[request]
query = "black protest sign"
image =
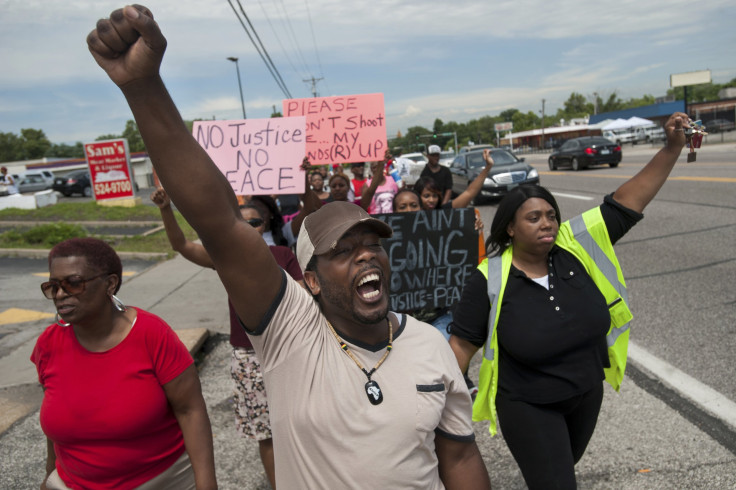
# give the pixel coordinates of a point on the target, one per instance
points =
(431, 254)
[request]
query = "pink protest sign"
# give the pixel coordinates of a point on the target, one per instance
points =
(350, 128)
(258, 156)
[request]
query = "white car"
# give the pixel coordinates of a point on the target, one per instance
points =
(648, 134)
(620, 136)
(35, 181)
(446, 158)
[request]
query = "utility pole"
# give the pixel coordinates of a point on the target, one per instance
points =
(543, 101)
(314, 84)
(595, 103)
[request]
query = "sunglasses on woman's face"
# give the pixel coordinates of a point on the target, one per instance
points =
(72, 285)
(254, 222)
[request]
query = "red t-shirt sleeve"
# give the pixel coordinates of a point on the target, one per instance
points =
(40, 355)
(169, 355)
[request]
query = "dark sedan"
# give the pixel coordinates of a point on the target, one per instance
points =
(508, 172)
(77, 182)
(580, 153)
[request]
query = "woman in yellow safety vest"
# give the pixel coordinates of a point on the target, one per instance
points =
(550, 309)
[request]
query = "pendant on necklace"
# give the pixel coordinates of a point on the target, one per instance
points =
(375, 396)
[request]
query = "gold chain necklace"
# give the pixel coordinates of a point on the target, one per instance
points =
(372, 390)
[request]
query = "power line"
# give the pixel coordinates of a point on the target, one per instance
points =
(316, 52)
(286, 90)
(262, 50)
(278, 39)
(295, 43)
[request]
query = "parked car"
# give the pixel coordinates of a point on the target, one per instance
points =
(719, 125)
(417, 157)
(36, 181)
(475, 147)
(580, 153)
(77, 182)
(508, 172)
(647, 134)
(620, 136)
(446, 158)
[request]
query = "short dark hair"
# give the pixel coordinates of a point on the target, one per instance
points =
(401, 191)
(254, 208)
(339, 176)
(499, 239)
(272, 216)
(99, 255)
(429, 184)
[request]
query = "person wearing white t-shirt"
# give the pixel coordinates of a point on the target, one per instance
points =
(8, 181)
(360, 397)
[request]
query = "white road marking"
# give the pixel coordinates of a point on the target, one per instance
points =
(573, 196)
(702, 395)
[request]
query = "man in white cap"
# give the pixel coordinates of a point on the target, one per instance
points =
(360, 397)
(441, 175)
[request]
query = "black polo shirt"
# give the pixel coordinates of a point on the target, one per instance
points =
(443, 177)
(552, 342)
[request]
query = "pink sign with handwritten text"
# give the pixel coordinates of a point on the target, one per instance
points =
(258, 156)
(350, 128)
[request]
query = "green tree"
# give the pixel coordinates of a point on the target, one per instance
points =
(577, 106)
(700, 93)
(131, 133)
(103, 137)
(66, 151)
(524, 122)
(10, 147)
(34, 143)
(507, 115)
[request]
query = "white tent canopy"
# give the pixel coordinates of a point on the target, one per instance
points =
(632, 122)
(617, 124)
(639, 121)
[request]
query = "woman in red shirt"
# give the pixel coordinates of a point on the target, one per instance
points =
(122, 404)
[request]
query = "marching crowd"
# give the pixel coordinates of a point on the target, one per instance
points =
(338, 390)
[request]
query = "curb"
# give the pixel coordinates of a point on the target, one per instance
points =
(41, 253)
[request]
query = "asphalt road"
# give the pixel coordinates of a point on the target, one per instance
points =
(679, 264)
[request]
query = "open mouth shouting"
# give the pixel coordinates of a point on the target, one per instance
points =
(369, 287)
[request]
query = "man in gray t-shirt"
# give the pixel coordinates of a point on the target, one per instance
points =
(359, 397)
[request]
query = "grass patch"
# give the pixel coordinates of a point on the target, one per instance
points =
(47, 235)
(83, 211)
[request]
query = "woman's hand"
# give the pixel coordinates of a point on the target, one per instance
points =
(489, 160)
(675, 128)
(160, 198)
(377, 168)
(478, 223)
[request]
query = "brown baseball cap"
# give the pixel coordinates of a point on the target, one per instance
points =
(322, 229)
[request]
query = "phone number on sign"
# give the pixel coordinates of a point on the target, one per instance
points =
(112, 187)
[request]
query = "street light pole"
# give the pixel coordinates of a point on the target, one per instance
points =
(240, 85)
(543, 101)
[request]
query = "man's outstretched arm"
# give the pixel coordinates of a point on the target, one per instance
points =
(129, 46)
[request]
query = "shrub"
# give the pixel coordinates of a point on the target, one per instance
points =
(51, 234)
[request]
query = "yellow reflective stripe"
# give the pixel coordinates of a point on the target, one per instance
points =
(494, 288)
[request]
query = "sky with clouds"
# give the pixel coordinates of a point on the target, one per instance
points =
(455, 61)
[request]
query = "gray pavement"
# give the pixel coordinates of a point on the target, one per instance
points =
(648, 436)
